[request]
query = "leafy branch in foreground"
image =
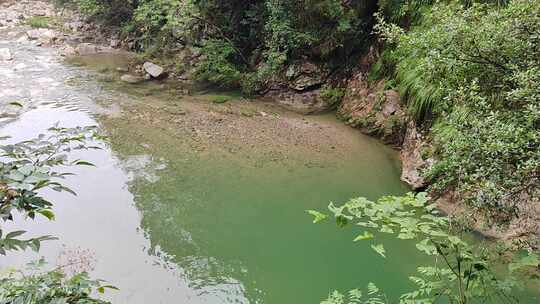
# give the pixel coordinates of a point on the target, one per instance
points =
(33, 165)
(460, 273)
(35, 287)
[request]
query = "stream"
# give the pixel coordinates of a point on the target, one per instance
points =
(197, 202)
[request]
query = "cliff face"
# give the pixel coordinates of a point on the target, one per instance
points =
(379, 112)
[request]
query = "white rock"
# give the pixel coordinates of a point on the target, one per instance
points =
(5, 54)
(153, 69)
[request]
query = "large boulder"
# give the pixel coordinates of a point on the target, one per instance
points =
(153, 70)
(308, 102)
(305, 75)
(5, 54)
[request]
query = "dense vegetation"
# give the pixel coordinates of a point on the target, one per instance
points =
(244, 43)
(470, 74)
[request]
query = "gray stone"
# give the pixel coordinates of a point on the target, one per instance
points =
(153, 69)
(5, 54)
(23, 38)
(131, 78)
(86, 49)
(33, 34)
(305, 75)
(74, 26)
(308, 102)
(68, 50)
(42, 34)
(114, 43)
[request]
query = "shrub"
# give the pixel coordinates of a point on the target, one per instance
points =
(216, 66)
(332, 95)
(473, 71)
(39, 21)
(458, 272)
(35, 286)
(260, 37)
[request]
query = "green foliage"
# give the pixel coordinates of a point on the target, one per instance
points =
(315, 28)
(217, 66)
(155, 22)
(113, 12)
(403, 11)
(473, 70)
(27, 168)
(317, 216)
(38, 287)
(220, 99)
(372, 295)
(332, 95)
(90, 7)
(249, 42)
(30, 166)
(39, 21)
(459, 272)
(490, 155)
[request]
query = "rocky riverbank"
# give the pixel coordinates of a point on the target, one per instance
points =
(160, 106)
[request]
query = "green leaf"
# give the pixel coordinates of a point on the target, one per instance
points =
(386, 229)
(61, 188)
(318, 216)
(365, 236)
(110, 287)
(426, 247)
(47, 213)
(15, 103)
(27, 169)
(84, 163)
(14, 234)
(379, 248)
(16, 176)
(406, 235)
(341, 221)
(372, 288)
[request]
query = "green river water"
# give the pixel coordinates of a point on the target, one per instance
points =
(169, 217)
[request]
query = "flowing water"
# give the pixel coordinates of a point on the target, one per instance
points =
(196, 202)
